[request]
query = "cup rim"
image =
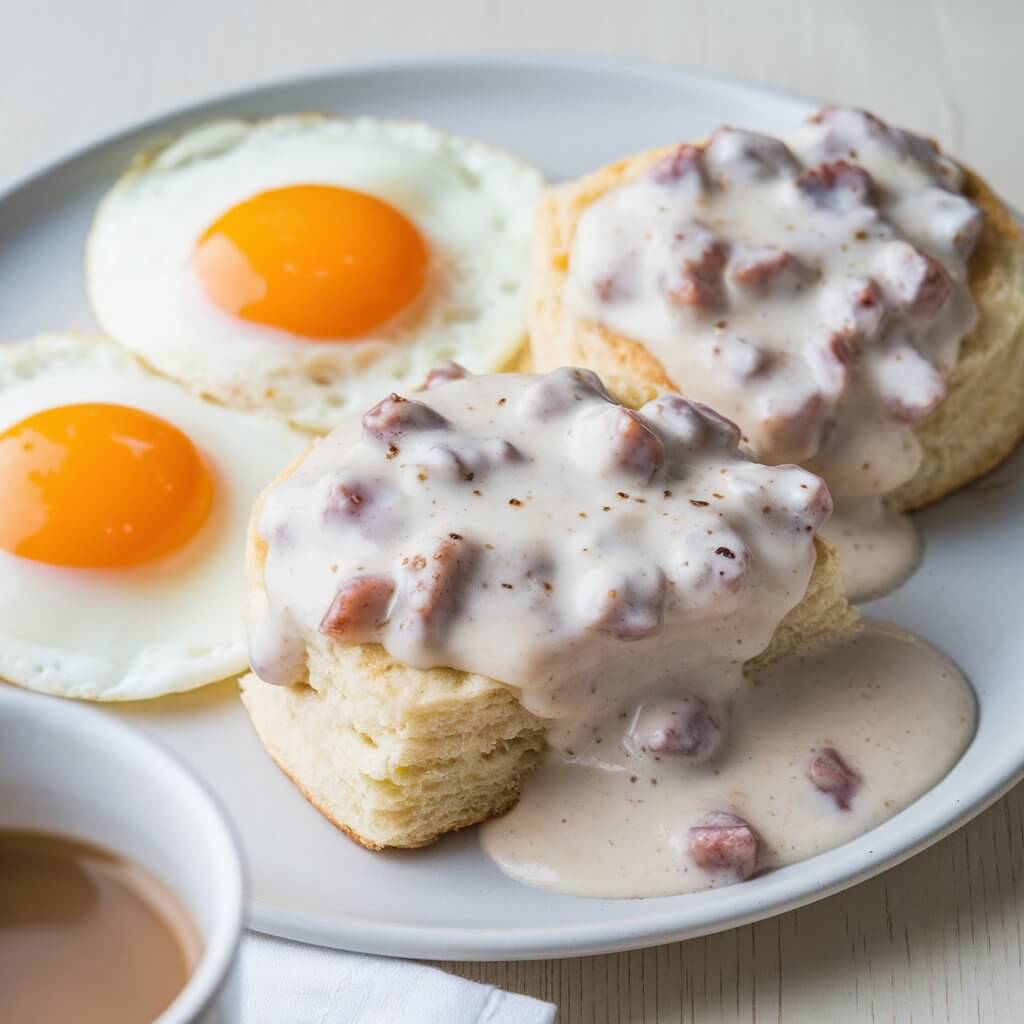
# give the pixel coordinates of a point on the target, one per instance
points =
(221, 945)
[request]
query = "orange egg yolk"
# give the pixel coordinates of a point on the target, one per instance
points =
(99, 486)
(317, 261)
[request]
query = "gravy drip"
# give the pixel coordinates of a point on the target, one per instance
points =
(878, 547)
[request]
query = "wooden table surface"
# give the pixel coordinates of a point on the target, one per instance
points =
(938, 939)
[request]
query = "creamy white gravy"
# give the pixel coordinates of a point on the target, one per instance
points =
(814, 291)
(534, 530)
(878, 547)
(605, 822)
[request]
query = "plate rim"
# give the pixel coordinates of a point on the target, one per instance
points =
(426, 62)
(441, 944)
(778, 892)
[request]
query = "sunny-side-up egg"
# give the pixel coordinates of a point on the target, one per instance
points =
(124, 501)
(309, 265)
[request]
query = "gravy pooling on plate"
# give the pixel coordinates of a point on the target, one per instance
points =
(813, 290)
(821, 748)
(618, 568)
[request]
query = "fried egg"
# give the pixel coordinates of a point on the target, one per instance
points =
(309, 265)
(122, 522)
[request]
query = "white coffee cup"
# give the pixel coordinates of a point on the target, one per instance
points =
(72, 770)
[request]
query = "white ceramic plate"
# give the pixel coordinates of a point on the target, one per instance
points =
(309, 882)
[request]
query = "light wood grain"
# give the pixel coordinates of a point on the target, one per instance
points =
(938, 939)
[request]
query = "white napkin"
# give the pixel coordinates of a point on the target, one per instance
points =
(288, 983)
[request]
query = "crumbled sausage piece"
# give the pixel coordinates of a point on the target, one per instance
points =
(366, 504)
(689, 287)
(718, 426)
(814, 504)
(793, 433)
(765, 269)
(348, 500)
(431, 582)
(838, 185)
(828, 357)
(467, 460)
(916, 282)
(843, 131)
(635, 448)
(394, 417)
(740, 359)
(908, 385)
(685, 163)
(955, 221)
(627, 605)
(827, 115)
(444, 374)
(724, 843)
(710, 567)
(686, 726)
(560, 392)
(829, 773)
(690, 423)
(736, 156)
(615, 286)
(697, 279)
(730, 561)
(676, 418)
(855, 308)
(612, 441)
(359, 607)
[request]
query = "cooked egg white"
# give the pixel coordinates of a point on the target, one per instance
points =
(309, 265)
(122, 522)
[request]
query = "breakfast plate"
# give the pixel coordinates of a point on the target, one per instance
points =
(449, 901)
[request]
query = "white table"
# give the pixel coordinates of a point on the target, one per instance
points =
(938, 939)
